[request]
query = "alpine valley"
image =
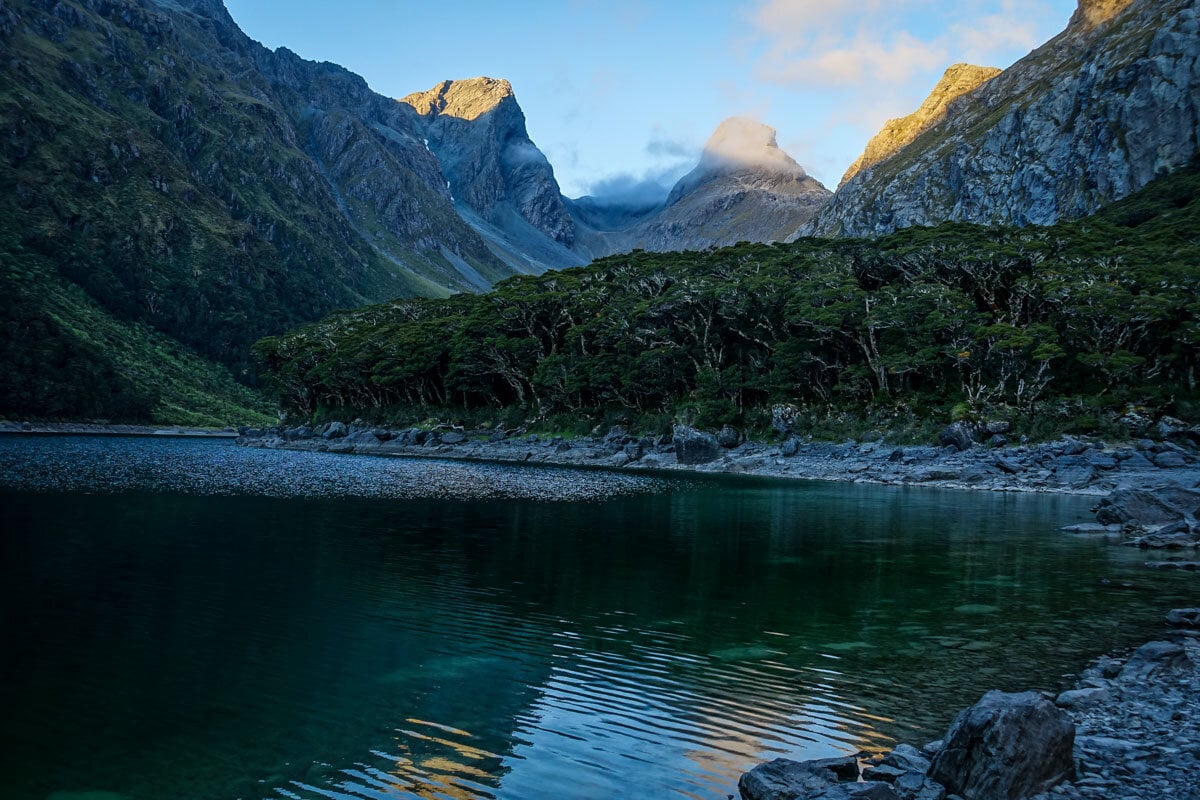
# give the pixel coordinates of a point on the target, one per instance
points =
(173, 191)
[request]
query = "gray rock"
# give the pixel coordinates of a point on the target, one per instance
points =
(562, 447)
(1184, 617)
(1006, 747)
(907, 758)
(635, 451)
(1170, 426)
(382, 434)
(1169, 460)
(1081, 698)
(1152, 658)
(1009, 465)
(498, 435)
(858, 791)
(917, 786)
(997, 427)
(335, 430)
(790, 447)
(882, 772)
(729, 437)
(1156, 506)
(1074, 447)
(616, 438)
(695, 447)
(1137, 461)
(896, 456)
(785, 779)
(959, 435)
(1077, 477)
(998, 441)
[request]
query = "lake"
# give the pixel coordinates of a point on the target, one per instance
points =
(191, 619)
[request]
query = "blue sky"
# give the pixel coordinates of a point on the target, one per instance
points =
(619, 92)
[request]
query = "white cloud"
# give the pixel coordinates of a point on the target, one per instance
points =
(844, 44)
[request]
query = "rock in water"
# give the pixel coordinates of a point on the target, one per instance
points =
(1006, 747)
(1148, 507)
(785, 779)
(695, 447)
(1184, 617)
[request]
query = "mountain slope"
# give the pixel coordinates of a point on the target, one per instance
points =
(958, 80)
(189, 180)
(500, 181)
(1088, 118)
(745, 188)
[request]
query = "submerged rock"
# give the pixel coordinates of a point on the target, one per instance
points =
(1184, 617)
(1006, 747)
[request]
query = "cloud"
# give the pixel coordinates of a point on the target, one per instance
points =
(872, 44)
(661, 147)
(638, 189)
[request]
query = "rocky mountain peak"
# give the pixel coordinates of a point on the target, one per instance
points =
(957, 81)
(1092, 13)
(465, 99)
(743, 144)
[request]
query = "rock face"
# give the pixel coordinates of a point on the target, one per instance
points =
(495, 172)
(1088, 118)
(745, 188)
(1006, 747)
(897, 133)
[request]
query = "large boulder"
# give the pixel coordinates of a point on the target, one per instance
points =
(335, 430)
(729, 437)
(785, 779)
(959, 435)
(1148, 507)
(1006, 747)
(695, 447)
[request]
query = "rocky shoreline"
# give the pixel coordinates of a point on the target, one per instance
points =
(1129, 730)
(1148, 487)
(1069, 465)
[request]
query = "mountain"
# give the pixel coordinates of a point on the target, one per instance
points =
(1088, 118)
(162, 171)
(500, 181)
(745, 188)
(899, 133)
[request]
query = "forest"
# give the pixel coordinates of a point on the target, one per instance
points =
(1069, 324)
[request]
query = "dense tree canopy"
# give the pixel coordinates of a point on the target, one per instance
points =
(1105, 309)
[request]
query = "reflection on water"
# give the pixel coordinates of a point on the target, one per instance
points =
(190, 624)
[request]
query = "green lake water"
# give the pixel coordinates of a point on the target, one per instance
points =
(189, 619)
